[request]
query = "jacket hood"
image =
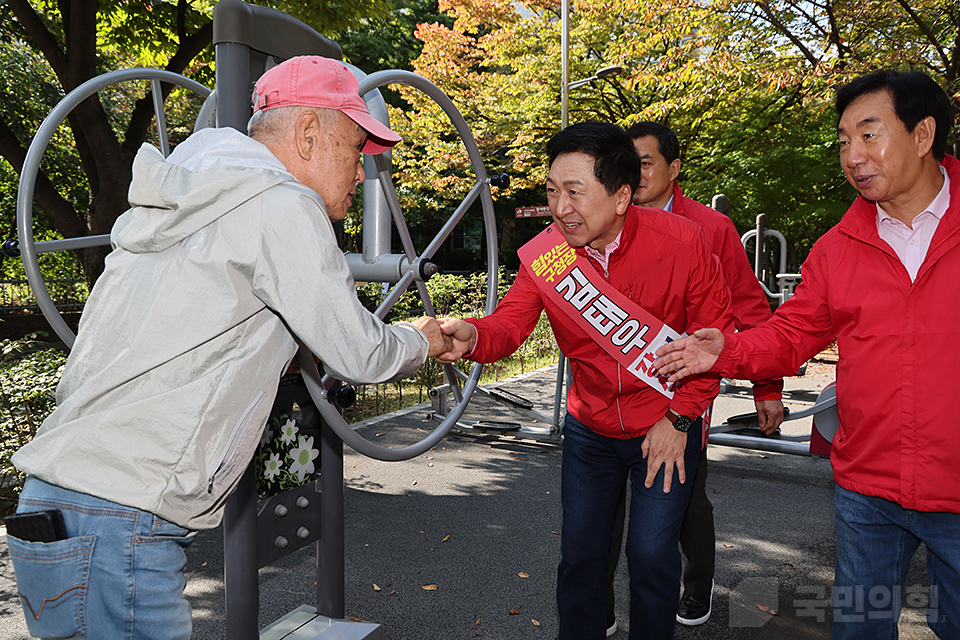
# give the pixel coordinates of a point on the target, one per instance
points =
(173, 198)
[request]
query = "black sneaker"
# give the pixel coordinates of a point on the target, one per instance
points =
(693, 611)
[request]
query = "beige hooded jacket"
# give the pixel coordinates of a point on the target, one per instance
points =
(223, 258)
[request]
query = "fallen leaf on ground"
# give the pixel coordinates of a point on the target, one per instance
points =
(376, 587)
(445, 538)
(477, 623)
(430, 587)
(523, 574)
(356, 619)
(728, 546)
(514, 612)
(535, 622)
(379, 435)
(767, 609)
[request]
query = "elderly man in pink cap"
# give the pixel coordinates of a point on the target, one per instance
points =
(226, 258)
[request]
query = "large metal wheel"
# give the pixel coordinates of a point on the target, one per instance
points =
(416, 268)
(29, 249)
(410, 268)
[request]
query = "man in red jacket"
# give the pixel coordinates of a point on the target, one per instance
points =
(633, 273)
(883, 284)
(659, 151)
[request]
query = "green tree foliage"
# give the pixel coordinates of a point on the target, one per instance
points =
(83, 183)
(748, 86)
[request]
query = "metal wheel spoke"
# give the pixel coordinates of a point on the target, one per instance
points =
(161, 116)
(450, 373)
(394, 295)
(31, 168)
(393, 203)
(453, 221)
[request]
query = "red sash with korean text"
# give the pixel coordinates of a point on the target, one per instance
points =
(623, 329)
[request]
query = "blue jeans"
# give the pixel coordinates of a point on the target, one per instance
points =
(594, 471)
(875, 540)
(117, 576)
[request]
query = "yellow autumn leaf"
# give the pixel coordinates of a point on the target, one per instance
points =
(523, 574)
(445, 538)
(535, 622)
(430, 587)
(376, 587)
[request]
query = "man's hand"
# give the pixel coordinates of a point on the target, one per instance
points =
(663, 446)
(462, 336)
(439, 341)
(769, 415)
(690, 355)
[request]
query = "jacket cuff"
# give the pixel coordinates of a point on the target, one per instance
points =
(726, 360)
(768, 389)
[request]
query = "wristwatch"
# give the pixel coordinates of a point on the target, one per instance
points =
(680, 423)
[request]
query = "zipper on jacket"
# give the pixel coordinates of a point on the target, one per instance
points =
(619, 393)
(234, 441)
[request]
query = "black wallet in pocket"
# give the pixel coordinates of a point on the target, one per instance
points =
(37, 526)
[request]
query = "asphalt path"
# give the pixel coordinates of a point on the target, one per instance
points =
(478, 518)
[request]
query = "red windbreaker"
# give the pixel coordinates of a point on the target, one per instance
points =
(749, 302)
(664, 265)
(899, 353)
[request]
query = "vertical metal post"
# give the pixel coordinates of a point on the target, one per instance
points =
(722, 204)
(330, 562)
(240, 576)
(558, 394)
(564, 99)
(376, 215)
(564, 60)
(760, 249)
(234, 91)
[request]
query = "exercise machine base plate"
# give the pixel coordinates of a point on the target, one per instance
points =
(303, 623)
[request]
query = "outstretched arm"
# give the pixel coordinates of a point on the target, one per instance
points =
(690, 355)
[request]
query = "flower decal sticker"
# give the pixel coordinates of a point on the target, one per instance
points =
(272, 467)
(303, 456)
(288, 432)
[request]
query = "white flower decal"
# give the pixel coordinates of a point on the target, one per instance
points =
(288, 432)
(266, 436)
(272, 466)
(303, 457)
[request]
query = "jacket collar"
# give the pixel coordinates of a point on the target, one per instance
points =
(860, 220)
(630, 224)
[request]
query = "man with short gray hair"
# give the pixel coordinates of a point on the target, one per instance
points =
(225, 261)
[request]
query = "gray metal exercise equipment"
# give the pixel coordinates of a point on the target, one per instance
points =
(250, 39)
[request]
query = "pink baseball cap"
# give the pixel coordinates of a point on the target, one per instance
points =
(315, 81)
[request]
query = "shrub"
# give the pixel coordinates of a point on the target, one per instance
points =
(28, 380)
